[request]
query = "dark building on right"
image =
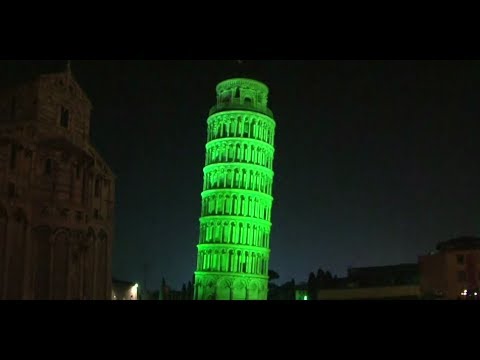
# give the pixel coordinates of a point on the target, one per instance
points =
(452, 272)
(395, 282)
(393, 275)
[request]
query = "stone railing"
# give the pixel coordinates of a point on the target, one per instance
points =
(237, 106)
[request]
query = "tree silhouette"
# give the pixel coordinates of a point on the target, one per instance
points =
(184, 292)
(190, 291)
(312, 287)
(320, 274)
(163, 290)
(273, 275)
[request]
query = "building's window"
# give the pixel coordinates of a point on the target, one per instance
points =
(79, 216)
(78, 171)
(248, 101)
(13, 157)
(64, 118)
(48, 167)
(461, 259)
(13, 108)
(97, 188)
(462, 276)
(106, 185)
(237, 93)
(11, 190)
(96, 214)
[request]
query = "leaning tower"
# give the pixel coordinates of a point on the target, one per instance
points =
(234, 246)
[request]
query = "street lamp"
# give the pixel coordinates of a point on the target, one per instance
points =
(134, 295)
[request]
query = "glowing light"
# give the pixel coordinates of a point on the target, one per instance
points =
(235, 225)
(476, 294)
(135, 286)
(305, 298)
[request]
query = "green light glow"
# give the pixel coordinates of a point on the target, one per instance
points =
(234, 246)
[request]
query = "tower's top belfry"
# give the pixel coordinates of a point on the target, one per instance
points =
(242, 94)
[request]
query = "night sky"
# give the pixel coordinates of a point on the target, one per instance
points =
(376, 161)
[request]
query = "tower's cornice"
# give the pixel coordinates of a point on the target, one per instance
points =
(254, 142)
(243, 166)
(237, 192)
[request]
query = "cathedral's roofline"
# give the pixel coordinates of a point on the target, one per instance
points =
(29, 79)
(67, 75)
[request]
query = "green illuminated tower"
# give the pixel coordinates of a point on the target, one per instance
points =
(234, 248)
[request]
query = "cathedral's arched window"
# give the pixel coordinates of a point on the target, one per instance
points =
(13, 108)
(13, 157)
(97, 188)
(11, 190)
(48, 167)
(3, 235)
(65, 118)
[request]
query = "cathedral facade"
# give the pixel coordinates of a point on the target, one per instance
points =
(57, 195)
